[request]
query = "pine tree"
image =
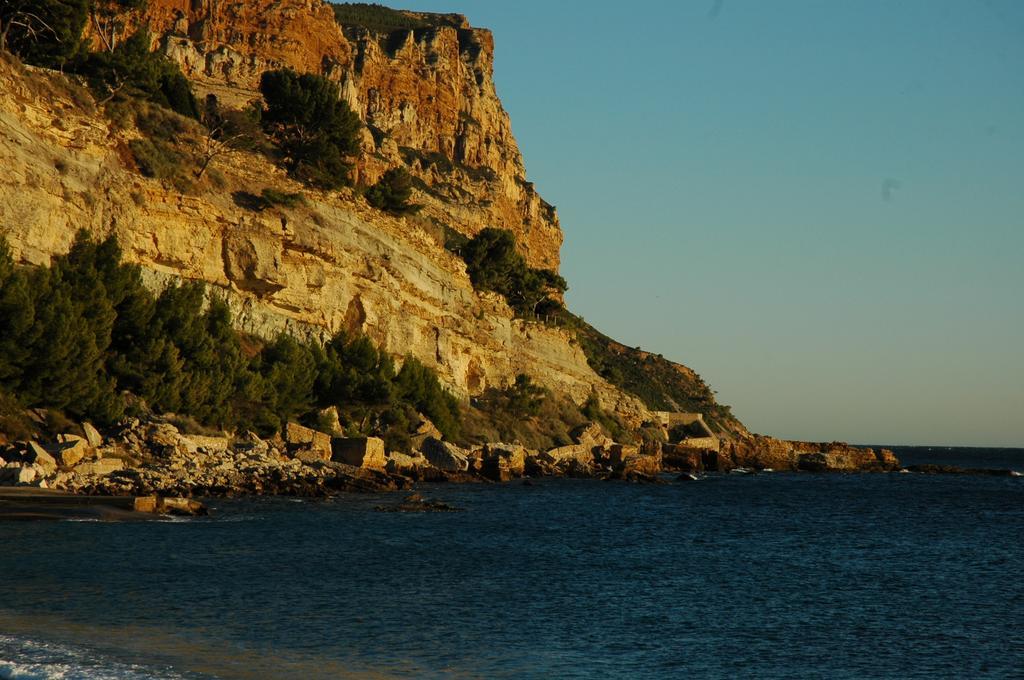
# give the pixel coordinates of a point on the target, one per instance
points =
(312, 126)
(17, 320)
(43, 32)
(392, 192)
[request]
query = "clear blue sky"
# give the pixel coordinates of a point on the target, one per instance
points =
(817, 205)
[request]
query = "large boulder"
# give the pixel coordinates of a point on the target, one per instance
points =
(579, 453)
(590, 434)
(827, 462)
(39, 456)
(445, 456)
(402, 464)
(640, 464)
(92, 435)
(424, 430)
(572, 460)
(71, 449)
(513, 455)
(717, 461)
(361, 452)
(617, 453)
(100, 467)
(682, 458)
(298, 437)
(503, 462)
(887, 459)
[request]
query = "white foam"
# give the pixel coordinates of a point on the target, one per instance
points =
(26, 659)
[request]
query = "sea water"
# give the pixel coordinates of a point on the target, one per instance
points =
(760, 576)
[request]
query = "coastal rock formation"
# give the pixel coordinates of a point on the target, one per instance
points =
(427, 94)
(757, 452)
(332, 264)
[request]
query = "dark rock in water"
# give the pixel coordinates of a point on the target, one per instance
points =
(633, 476)
(417, 503)
(42, 504)
(929, 469)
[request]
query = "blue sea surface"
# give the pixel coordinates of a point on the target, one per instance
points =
(759, 576)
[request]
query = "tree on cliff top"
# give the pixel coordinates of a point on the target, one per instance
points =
(312, 126)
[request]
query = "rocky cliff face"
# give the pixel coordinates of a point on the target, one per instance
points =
(332, 264)
(426, 94)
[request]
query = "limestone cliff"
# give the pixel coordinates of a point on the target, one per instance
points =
(426, 94)
(332, 264)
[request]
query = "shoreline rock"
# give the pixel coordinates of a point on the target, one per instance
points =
(153, 459)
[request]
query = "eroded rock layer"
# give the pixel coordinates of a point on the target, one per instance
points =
(328, 265)
(427, 94)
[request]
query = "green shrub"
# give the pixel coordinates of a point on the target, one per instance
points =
(132, 68)
(418, 386)
(494, 264)
(380, 19)
(80, 334)
(312, 126)
(288, 200)
(392, 192)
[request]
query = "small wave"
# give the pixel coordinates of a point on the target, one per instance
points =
(26, 659)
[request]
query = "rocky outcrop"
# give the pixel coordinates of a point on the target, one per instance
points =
(445, 456)
(428, 95)
(767, 453)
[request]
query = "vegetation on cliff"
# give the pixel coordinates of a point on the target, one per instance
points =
(85, 337)
(312, 126)
(309, 129)
(381, 19)
(50, 33)
(392, 193)
(494, 264)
